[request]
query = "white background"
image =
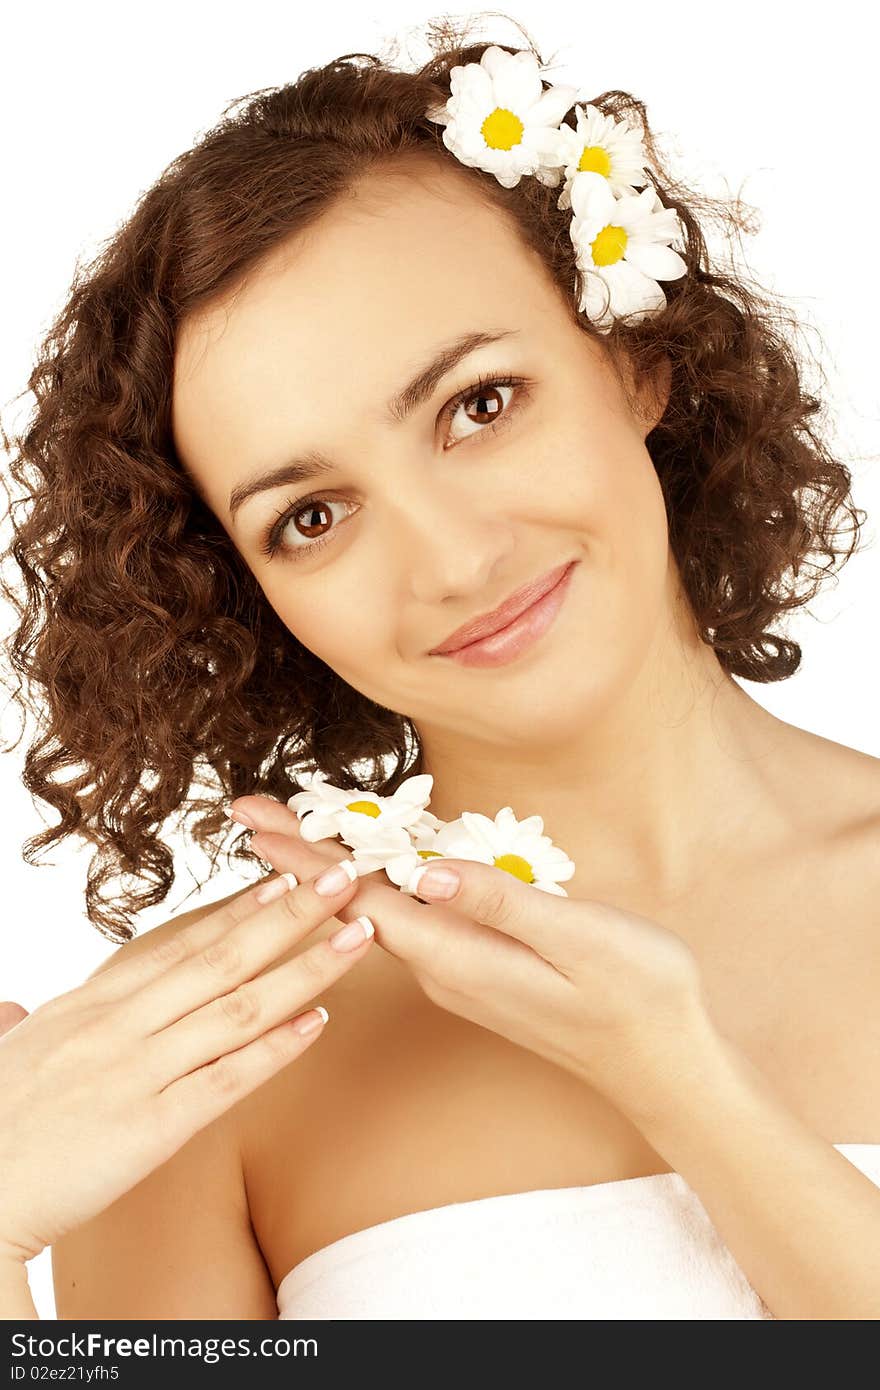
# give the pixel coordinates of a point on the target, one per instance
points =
(765, 100)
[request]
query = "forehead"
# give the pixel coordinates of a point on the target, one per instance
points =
(407, 259)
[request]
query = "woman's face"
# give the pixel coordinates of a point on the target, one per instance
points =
(432, 512)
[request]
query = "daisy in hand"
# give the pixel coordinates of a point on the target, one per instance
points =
(374, 827)
(519, 848)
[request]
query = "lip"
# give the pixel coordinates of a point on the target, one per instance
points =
(487, 624)
(506, 643)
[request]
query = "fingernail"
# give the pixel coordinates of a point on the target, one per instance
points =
(430, 882)
(311, 1022)
(352, 935)
(239, 817)
(333, 881)
(276, 888)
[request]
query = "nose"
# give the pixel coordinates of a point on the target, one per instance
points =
(450, 547)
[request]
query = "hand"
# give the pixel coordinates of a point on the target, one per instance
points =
(609, 995)
(103, 1084)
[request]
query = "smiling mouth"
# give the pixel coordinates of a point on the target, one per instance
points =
(519, 603)
(508, 643)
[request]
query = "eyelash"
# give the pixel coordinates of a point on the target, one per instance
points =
(271, 543)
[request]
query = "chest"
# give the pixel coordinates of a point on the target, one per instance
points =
(403, 1106)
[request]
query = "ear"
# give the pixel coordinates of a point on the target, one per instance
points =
(648, 395)
(656, 393)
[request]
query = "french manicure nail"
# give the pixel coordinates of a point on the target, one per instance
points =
(310, 1023)
(431, 881)
(334, 880)
(353, 934)
(276, 888)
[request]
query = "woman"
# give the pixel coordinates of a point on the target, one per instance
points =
(347, 382)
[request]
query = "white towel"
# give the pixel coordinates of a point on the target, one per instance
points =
(641, 1248)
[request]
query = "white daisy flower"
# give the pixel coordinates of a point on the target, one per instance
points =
(499, 118)
(388, 845)
(602, 145)
(422, 846)
(622, 249)
(376, 825)
(519, 847)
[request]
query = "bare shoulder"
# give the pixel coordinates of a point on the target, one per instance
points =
(835, 790)
(843, 788)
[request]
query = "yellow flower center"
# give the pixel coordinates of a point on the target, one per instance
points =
(366, 808)
(516, 865)
(594, 160)
(502, 129)
(429, 854)
(609, 245)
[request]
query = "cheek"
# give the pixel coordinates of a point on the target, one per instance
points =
(628, 502)
(639, 559)
(626, 534)
(347, 631)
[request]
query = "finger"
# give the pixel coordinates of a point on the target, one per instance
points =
(251, 1008)
(134, 972)
(438, 943)
(194, 1100)
(284, 852)
(497, 899)
(288, 854)
(267, 814)
(10, 1015)
(229, 958)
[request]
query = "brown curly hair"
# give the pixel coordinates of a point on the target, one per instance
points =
(153, 649)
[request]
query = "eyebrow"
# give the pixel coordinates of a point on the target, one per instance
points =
(401, 405)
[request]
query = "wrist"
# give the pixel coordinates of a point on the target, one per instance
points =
(677, 1070)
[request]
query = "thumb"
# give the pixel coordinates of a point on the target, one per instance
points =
(10, 1015)
(495, 898)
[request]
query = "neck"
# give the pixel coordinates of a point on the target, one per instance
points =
(655, 783)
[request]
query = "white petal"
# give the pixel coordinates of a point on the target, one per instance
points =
(367, 863)
(413, 789)
(544, 886)
(635, 293)
(475, 84)
(315, 827)
(660, 262)
(516, 80)
(480, 829)
(552, 105)
(399, 868)
(532, 825)
(591, 198)
(544, 142)
(594, 300)
(552, 177)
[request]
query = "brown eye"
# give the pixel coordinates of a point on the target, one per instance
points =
(316, 514)
(298, 527)
(483, 406)
(488, 404)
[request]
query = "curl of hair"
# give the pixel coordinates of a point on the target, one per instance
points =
(166, 683)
